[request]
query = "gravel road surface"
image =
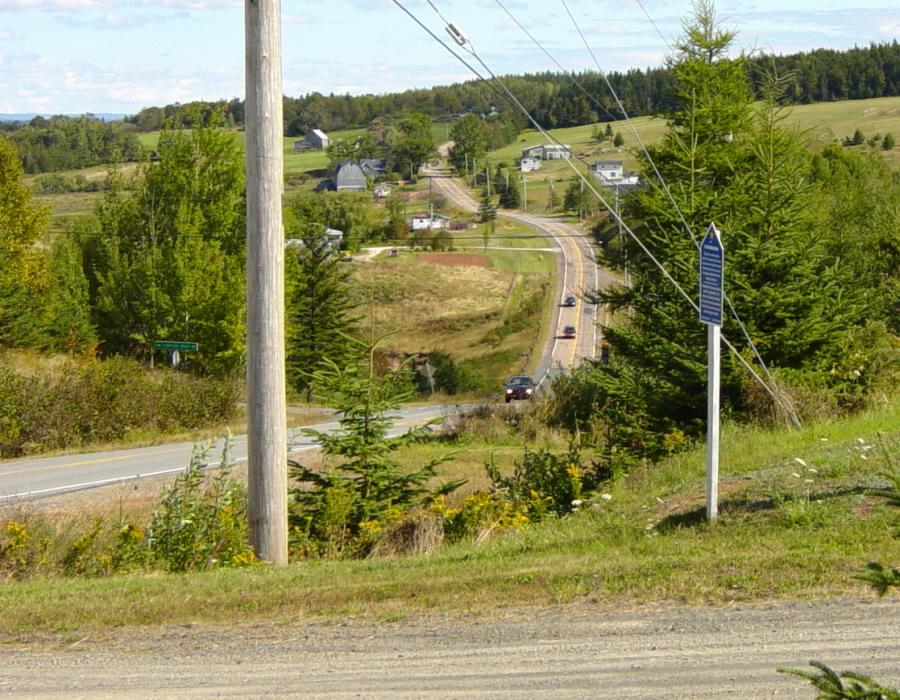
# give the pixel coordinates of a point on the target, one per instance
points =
(570, 652)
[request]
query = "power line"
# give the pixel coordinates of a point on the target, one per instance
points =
(469, 47)
(674, 203)
(558, 64)
(647, 15)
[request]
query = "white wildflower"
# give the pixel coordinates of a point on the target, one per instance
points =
(807, 481)
(800, 461)
(861, 441)
(795, 475)
(812, 471)
(606, 496)
(576, 502)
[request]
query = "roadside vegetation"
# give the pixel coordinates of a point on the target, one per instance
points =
(802, 512)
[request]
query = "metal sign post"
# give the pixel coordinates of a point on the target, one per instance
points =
(712, 268)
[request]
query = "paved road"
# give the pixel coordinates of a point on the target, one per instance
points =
(567, 652)
(47, 476)
(577, 271)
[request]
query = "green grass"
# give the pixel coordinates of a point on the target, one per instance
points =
(822, 123)
(463, 310)
(647, 544)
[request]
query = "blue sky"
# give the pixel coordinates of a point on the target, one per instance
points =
(74, 56)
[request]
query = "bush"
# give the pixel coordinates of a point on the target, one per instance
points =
(102, 402)
(545, 484)
(199, 525)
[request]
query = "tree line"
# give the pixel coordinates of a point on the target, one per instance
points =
(68, 143)
(821, 75)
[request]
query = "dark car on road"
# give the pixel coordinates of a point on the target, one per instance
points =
(568, 332)
(518, 387)
(569, 300)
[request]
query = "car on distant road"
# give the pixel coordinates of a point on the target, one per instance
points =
(569, 300)
(518, 387)
(568, 332)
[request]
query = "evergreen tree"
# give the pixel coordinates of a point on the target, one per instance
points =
(618, 140)
(510, 198)
(608, 133)
(487, 215)
(318, 307)
(787, 288)
(887, 142)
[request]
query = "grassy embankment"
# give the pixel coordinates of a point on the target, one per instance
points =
(786, 530)
(484, 307)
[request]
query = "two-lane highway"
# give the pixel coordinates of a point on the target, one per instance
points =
(48, 476)
(577, 270)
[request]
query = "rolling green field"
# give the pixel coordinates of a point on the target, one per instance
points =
(821, 123)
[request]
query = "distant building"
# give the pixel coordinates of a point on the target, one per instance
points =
(333, 240)
(556, 151)
(315, 140)
(350, 177)
(529, 164)
(433, 222)
(373, 167)
(381, 190)
(550, 151)
(612, 174)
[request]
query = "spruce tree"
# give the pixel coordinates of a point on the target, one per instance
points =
(318, 307)
(740, 168)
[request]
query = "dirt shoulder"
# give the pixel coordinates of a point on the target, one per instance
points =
(574, 652)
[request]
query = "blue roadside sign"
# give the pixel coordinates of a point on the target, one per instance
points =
(712, 268)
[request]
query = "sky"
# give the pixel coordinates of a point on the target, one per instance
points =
(118, 56)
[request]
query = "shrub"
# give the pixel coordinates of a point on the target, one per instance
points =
(344, 509)
(101, 402)
(546, 484)
(201, 524)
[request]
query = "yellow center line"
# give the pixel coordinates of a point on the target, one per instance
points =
(578, 301)
(83, 462)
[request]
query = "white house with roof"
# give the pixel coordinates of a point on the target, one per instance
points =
(529, 164)
(547, 151)
(426, 221)
(612, 174)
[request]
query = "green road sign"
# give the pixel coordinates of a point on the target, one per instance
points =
(182, 345)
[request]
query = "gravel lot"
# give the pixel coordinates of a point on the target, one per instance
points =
(571, 652)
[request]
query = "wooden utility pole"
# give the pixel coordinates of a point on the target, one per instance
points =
(266, 415)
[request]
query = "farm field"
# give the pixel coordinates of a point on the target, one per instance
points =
(823, 123)
(483, 307)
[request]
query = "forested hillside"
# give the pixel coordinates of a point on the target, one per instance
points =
(821, 75)
(67, 143)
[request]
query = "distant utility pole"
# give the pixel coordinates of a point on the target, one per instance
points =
(266, 415)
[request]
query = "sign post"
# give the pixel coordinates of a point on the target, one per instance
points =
(712, 268)
(175, 347)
